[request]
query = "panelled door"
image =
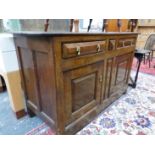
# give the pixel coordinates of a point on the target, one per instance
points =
(82, 90)
(120, 74)
(117, 74)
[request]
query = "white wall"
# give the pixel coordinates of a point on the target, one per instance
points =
(8, 58)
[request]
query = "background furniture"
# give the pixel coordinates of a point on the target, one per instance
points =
(146, 55)
(139, 55)
(109, 25)
(9, 70)
(150, 44)
(69, 78)
(148, 50)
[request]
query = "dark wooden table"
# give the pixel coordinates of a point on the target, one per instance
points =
(139, 55)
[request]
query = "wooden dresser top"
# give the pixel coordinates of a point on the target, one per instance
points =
(31, 33)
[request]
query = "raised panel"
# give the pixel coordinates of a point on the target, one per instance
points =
(108, 76)
(121, 71)
(29, 78)
(45, 83)
(82, 90)
(81, 94)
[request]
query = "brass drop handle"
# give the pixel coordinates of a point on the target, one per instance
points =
(98, 48)
(100, 78)
(78, 50)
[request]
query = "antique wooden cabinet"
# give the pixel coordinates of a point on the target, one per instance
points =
(69, 78)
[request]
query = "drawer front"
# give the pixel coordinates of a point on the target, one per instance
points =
(126, 43)
(78, 49)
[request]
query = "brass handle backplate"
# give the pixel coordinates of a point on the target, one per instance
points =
(98, 48)
(101, 78)
(78, 50)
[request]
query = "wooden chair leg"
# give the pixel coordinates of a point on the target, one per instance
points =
(144, 59)
(149, 57)
(152, 54)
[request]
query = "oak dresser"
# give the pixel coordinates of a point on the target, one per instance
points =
(69, 78)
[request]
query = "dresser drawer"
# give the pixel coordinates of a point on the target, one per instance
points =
(83, 48)
(126, 43)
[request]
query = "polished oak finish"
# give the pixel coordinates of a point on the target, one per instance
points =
(79, 49)
(69, 78)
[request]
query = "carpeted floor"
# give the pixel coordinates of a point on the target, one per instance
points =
(144, 68)
(42, 129)
(133, 113)
(9, 125)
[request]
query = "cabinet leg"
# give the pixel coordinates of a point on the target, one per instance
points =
(30, 112)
